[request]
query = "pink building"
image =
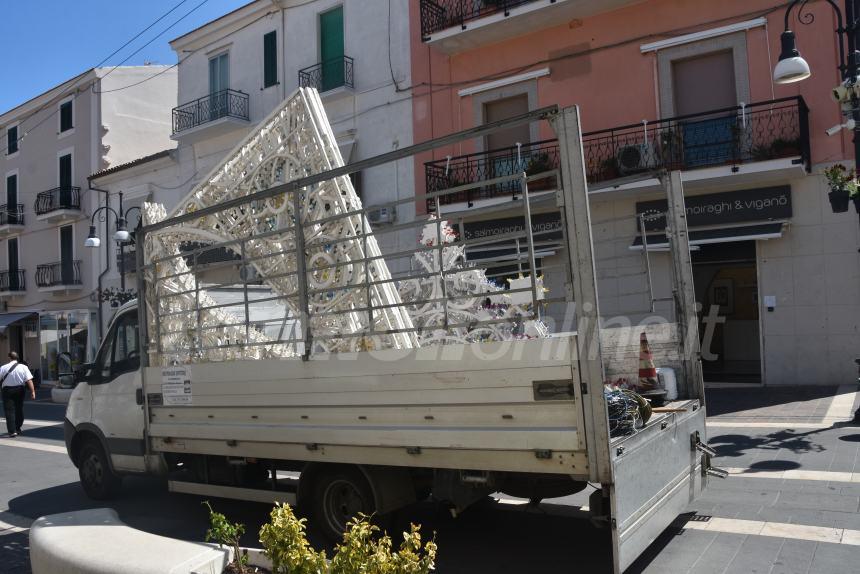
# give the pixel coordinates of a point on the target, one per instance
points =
(660, 84)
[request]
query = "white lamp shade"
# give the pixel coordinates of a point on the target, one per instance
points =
(790, 70)
(121, 235)
(92, 242)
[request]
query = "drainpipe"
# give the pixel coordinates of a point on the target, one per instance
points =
(107, 266)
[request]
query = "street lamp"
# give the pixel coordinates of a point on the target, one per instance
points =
(121, 236)
(793, 68)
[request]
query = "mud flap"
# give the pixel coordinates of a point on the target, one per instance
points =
(657, 473)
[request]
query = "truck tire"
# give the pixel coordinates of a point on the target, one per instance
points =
(97, 478)
(339, 494)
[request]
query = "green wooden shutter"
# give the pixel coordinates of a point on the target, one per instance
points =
(12, 140)
(331, 49)
(270, 59)
(66, 116)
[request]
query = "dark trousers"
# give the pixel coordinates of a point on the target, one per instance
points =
(13, 408)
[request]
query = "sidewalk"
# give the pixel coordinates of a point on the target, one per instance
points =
(792, 501)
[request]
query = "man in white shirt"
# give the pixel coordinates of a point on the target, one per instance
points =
(14, 376)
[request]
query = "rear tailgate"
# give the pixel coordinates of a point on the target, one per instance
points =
(657, 473)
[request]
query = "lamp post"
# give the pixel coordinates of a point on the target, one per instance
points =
(793, 68)
(121, 236)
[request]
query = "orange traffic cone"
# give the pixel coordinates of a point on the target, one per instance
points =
(647, 370)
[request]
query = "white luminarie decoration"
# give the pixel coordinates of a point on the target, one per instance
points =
(479, 309)
(295, 141)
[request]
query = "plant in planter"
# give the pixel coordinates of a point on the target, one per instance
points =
(843, 187)
(227, 533)
(539, 163)
(286, 549)
(609, 169)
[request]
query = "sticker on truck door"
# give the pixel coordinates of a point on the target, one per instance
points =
(176, 385)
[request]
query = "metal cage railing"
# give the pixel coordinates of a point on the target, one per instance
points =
(223, 104)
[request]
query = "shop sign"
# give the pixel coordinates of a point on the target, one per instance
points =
(545, 227)
(763, 204)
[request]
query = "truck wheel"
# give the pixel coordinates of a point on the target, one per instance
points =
(97, 478)
(339, 495)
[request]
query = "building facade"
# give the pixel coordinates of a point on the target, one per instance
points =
(51, 143)
(660, 85)
(235, 70)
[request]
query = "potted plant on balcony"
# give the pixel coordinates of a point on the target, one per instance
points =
(843, 187)
(539, 163)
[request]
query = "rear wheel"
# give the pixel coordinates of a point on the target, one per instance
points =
(97, 478)
(339, 495)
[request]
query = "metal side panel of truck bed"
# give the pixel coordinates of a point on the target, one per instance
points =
(509, 405)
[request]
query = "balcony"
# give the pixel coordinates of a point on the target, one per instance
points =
(13, 283)
(11, 219)
(327, 76)
(59, 204)
(453, 26)
(211, 115)
(60, 276)
(766, 141)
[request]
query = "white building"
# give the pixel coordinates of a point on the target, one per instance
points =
(237, 69)
(51, 143)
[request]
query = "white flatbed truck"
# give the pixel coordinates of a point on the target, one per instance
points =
(375, 429)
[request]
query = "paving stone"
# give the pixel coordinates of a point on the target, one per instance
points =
(794, 557)
(718, 554)
(835, 559)
(819, 501)
(756, 556)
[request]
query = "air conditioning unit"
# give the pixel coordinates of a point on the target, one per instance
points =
(381, 215)
(636, 158)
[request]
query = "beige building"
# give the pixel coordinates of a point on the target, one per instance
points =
(51, 143)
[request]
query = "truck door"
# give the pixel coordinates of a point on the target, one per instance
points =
(115, 387)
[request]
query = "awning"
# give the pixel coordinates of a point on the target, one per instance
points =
(721, 235)
(9, 319)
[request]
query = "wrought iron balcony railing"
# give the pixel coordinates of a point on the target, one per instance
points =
(731, 136)
(13, 280)
(58, 198)
(437, 15)
(223, 104)
(328, 75)
(12, 214)
(59, 274)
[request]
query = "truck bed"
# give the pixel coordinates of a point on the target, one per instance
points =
(434, 407)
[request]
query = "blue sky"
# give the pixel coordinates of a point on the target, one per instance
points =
(49, 41)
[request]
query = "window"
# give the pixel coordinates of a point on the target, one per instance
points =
(356, 179)
(270, 59)
(119, 353)
(331, 49)
(219, 73)
(66, 122)
(12, 140)
(67, 255)
(12, 252)
(11, 214)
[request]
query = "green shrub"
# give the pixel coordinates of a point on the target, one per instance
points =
(226, 533)
(284, 542)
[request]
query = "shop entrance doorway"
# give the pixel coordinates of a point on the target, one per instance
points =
(726, 284)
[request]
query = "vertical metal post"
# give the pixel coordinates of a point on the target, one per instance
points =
(527, 213)
(197, 307)
(685, 295)
(143, 335)
(245, 294)
(583, 285)
(439, 247)
(368, 293)
(647, 261)
(301, 274)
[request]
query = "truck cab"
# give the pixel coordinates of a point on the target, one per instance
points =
(104, 424)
